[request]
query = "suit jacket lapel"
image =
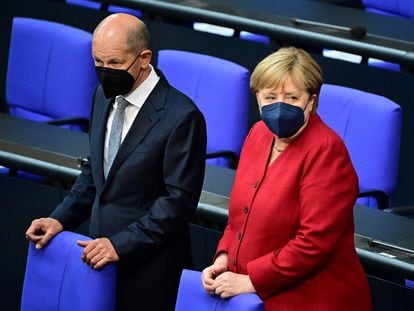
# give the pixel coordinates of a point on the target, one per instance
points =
(100, 118)
(147, 117)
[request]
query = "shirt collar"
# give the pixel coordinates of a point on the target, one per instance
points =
(138, 96)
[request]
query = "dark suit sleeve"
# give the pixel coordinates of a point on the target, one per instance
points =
(76, 207)
(183, 174)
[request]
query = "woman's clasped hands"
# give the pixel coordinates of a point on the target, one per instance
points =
(218, 281)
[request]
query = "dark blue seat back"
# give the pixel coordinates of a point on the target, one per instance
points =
(86, 3)
(57, 279)
(192, 296)
(50, 74)
(370, 126)
(220, 88)
(403, 8)
(112, 8)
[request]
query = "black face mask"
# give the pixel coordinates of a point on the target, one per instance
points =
(116, 81)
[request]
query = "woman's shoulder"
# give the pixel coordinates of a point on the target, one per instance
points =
(260, 128)
(321, 135)
(323, 129)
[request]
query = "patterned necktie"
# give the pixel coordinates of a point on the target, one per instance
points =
(116, 132)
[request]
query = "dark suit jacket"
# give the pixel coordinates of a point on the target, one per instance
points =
(145, 204)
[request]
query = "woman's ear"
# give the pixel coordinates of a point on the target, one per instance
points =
(312, 101)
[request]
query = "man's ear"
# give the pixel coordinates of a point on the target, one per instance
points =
(146, 57)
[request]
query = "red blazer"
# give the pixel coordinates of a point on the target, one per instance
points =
(291, 223)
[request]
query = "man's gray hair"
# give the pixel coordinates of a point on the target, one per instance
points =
(139, 38)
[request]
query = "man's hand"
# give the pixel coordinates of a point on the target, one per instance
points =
(42, 230)
(229, 284)
(99, 252)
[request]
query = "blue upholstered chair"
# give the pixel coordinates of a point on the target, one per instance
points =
(220, 88)
(403, 8)
(57, 279)
(86, 3)
(112, 8)
(370, 126)
(50, 75)
(246, 35)
(192, 296)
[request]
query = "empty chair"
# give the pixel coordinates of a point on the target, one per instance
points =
(370, 126)
(403, 8)
(50, 75)
(246, 35)
(57, 279)
(112, 8)
(86, 3)
(220, 88)
(192, 296)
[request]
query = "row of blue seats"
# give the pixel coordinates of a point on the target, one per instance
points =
(111, 7)
(56, 279)
(400, 8)
(48, 93)
(52, 276)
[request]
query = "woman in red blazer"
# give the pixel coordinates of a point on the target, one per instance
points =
(290, 234)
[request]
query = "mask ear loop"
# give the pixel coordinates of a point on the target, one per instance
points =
(140, 69)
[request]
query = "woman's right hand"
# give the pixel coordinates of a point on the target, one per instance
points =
(210, 273)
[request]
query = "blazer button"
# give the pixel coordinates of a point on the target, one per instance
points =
(246, 209)
(256, 184)
(240, 235)
(233, 262)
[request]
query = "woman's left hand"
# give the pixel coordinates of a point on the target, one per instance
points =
(229, 284)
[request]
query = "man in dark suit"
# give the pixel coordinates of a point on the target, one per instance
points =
(139, 198)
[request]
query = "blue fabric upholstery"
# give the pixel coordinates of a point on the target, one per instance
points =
(192, 296)
(254, 37)
(57, 279)
(220, 89)
(50, 72)
(370, 126)
(112, 8)
(86, 3)
(403, 8)
(121, 9)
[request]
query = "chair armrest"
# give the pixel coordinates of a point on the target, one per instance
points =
(381, 196)
(83, 122)
(230, 155)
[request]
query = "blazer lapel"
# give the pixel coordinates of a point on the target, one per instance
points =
(147, 117)
(98, 141)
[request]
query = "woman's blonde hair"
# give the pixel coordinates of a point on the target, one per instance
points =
(273, 70)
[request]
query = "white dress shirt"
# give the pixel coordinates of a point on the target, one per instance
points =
(136, 99)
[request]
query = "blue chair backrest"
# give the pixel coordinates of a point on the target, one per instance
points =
(57, 279)
(50, 74)
(86, 3)
(192, 296)
(403, 8)
(370, 126)
(112, 8)
(220, 88)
